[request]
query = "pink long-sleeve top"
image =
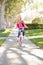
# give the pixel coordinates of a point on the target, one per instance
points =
(20, 24)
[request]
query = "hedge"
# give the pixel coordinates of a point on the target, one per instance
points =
(37, 21)
(35, 26)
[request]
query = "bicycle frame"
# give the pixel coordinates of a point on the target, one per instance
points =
(21, 36)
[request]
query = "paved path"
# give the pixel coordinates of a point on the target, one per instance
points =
(30, 37)
(3, 38)
(12, 54)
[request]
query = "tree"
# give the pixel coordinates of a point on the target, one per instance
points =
(8, 10)
(2, 7)
(12, 8)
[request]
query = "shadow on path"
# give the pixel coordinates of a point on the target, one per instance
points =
(16, 55)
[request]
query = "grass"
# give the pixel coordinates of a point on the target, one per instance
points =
(35, 32)
(5, 33)
(2, 41)
(38, 41)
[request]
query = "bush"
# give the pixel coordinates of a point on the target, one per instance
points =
(37, 20)
(35, 26)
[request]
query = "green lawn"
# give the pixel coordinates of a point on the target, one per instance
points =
(2, 41)
(5, 33)
(35, 32)
(38, 41)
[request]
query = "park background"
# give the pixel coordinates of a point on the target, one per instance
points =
(31, 12)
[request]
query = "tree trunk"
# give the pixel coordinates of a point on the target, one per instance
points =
(7, 21)
(2, 8)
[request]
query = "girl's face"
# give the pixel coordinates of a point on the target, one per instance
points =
(19, 18)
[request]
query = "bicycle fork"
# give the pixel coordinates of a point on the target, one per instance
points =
(20, 38)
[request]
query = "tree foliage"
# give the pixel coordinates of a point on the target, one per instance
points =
(1, 2)
(13, 7)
